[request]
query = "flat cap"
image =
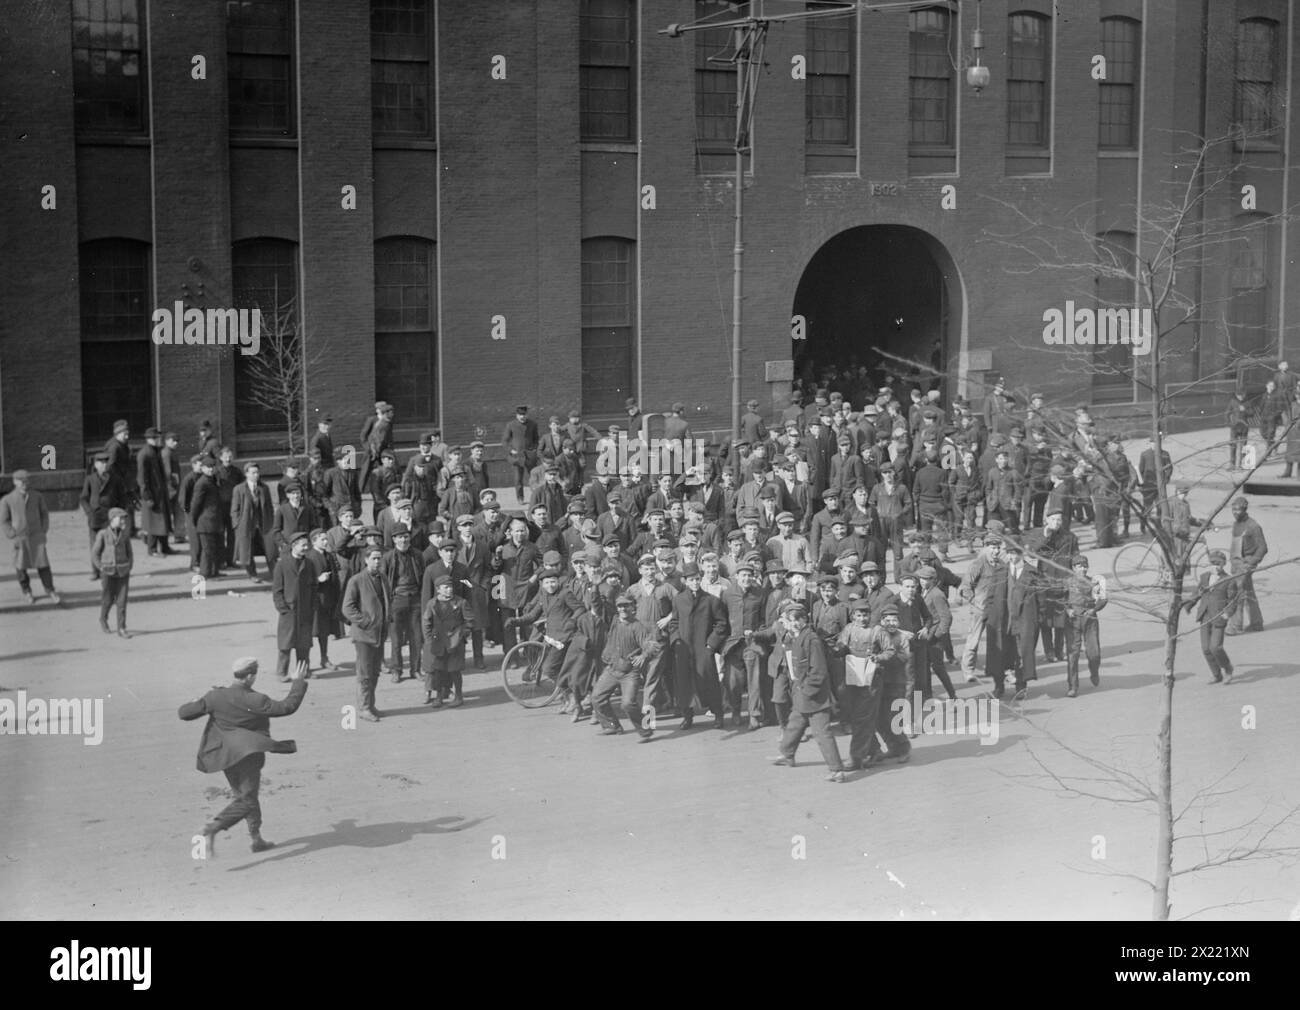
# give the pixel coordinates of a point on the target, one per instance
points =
(465, 520)
(114, 512)
(244, 666)
(401, 530)
(691, 570)
(300, 535)
(926, 572)
(889, 610)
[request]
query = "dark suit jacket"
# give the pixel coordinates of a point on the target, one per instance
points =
(1215, 604)
(98, 495)
(239, 723)
(247, 515)
(367, 608)
(205, 506)
(286, 522)
(700, 627)
(810, 680)
(293, 591)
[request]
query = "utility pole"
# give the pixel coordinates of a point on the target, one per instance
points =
(751, 35)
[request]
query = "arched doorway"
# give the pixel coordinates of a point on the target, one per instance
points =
(887, 297)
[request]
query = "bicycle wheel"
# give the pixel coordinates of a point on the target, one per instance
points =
(1137, 566)
(525, 681)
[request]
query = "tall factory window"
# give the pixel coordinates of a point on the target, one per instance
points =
(116, 359)
(259, 53)
(608, 324)
(401, 68)
(108, 71)
(1257, 103)
(606, 34)
(406, 328)
(1117, 111)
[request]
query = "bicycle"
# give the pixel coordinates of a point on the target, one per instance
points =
(524, 677)
(1139, 566)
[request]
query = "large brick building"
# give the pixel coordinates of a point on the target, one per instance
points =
(462, 205)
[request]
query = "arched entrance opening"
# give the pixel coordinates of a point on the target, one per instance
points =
(887, 298)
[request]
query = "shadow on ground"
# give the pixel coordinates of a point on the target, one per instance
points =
(364, 836)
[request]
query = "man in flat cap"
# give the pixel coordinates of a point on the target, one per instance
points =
(321, 441)
(810, 692)
(118, 448)
(367, 607)
(293, 591)
(206, 519)
(290, 518)
(520, 441)
(25, 520)
(253, 517)
(1216, 600)
(752, 428)
(112, 557)
(742, 655)
(236, 740)
(1085, 596)
(1245, 555)
(102, 491)
(376, 436)
(696, 633)
(155, 495)
(403, 571)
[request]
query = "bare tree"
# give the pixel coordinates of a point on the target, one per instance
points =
(277, 373)
(1189, 225)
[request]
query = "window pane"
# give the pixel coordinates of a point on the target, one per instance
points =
(1113, 370)
(116, 362)
(263, 273)
(259, 50)
(1256, 99)
(931, 78)
(608, 318)
(1248, 316)
(108, 86)
(829, 89)
(1027, 70)
(715, 80)
(406, 346)
(1117, 113)
(401, 68)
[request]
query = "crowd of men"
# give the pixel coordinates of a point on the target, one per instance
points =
(756, 584)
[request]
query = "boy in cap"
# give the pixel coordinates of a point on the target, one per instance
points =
(25, 520)
(206, 519)
(322, 442)
(236, 740)
(811, 693)
(752, 428)
(629, 645)
(1084, 597)
(111, 556)
(1217, 599)
(1238, 417)
(935, 600)
(558, 612)
(445, 629)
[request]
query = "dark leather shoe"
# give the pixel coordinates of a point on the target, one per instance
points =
(612, 731)
(835, 777)
(367, 715)
(754, 723)
(260, 844)
(1095, 678)
(688, 720)
(103, 626)
(781, 759)
(645, 734)
(123, 633)
(1072, 692)
(718, 723)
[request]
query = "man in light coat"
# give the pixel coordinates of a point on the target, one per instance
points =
(25, 521)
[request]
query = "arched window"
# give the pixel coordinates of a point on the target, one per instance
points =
(1117, 110)
(406, 328)
(608, 324)
(264, 272)
(116, 359)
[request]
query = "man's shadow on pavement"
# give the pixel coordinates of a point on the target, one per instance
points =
(365, 836)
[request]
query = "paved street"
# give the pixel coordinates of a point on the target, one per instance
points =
(495, 811)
